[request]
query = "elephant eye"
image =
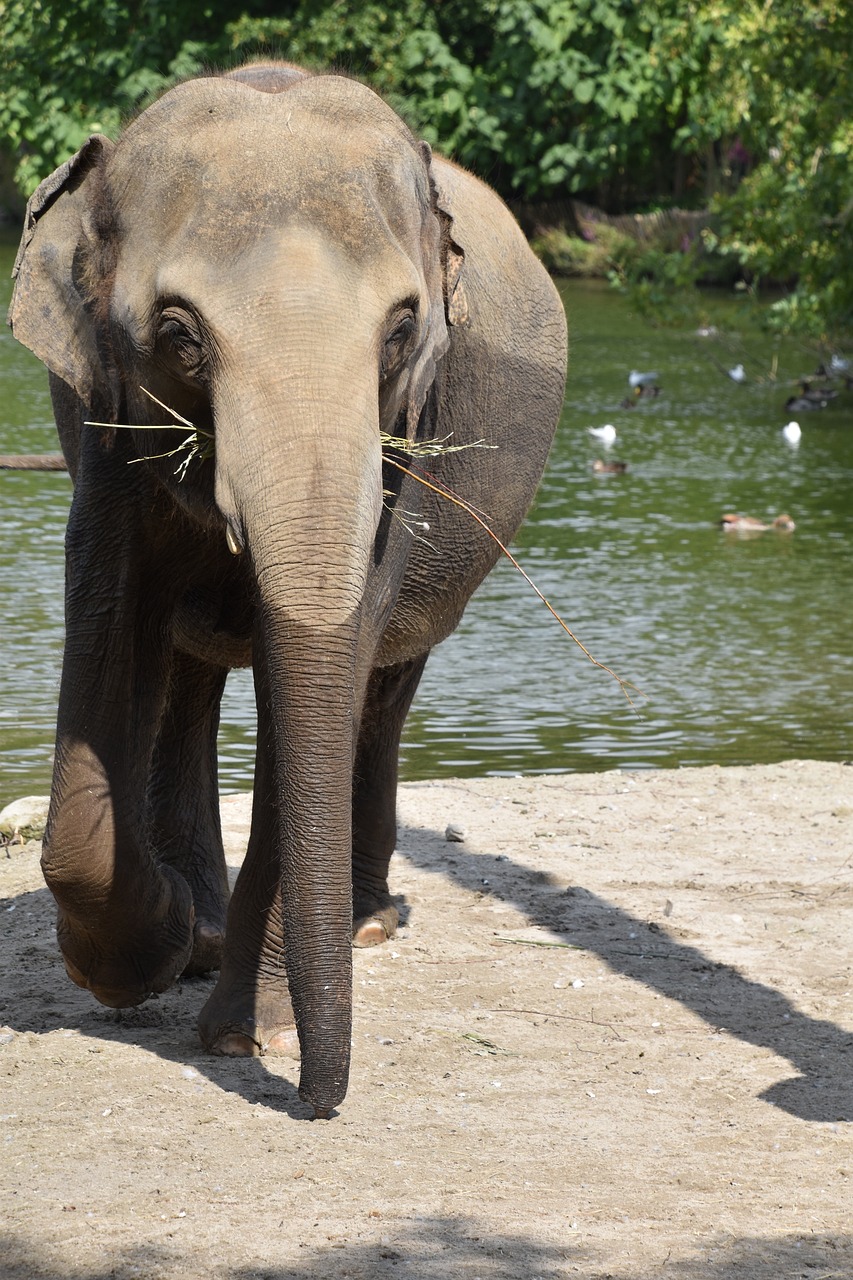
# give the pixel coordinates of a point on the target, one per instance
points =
(178, 335)
(396, 342)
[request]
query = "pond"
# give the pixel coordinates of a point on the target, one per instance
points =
(740, 646)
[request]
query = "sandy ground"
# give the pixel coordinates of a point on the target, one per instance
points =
(613, 1039)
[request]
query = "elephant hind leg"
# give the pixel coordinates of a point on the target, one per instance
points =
(183, 797)
(389, 696)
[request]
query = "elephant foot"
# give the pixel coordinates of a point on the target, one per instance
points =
(253, 1026)
(375, 918)
(137, 962)
(208, 946)
(239, 1044)
(369, 933)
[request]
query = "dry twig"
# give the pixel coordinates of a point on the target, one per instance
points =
(445, 492)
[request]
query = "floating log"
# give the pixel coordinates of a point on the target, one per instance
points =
(32, 462)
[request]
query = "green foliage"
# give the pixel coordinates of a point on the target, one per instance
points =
(567, 255)
(541, 96)
(661, 284)
(574, 71)
(748, 102)
(74, 67)
(791, 219)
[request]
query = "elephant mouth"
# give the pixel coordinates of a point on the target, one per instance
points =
(210, 627)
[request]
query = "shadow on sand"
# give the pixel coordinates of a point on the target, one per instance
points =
(820, 1051)
(450, 1249)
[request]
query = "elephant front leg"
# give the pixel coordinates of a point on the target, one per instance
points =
(374, 809)
(124, 924)
(249, 1012)
(184, 801)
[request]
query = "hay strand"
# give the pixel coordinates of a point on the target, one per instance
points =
(444, 491)
(198, 444)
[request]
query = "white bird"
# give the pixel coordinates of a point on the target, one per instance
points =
(637, 379)
(737, 374)
(792, 432)
(606, 434)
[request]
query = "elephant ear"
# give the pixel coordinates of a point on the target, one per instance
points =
(51, 310)
(443, 265)
(452, 262)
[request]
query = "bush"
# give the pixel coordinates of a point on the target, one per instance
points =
(567, 255)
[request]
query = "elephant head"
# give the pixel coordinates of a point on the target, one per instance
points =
(278, 270)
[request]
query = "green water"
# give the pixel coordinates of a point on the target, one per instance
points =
(742, 647)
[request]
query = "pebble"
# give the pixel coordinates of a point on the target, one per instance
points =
(25, 819)
(455, 834)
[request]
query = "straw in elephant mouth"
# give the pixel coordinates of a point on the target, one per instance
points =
(198, 444)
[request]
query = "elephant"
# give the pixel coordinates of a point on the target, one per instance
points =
(242, 304)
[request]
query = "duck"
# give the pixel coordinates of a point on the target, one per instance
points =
(805, 404)
(737, 374)
(638, 394)
(784, 523)
(810, 398)
(609, 468)
(817, 393)
(606, 434)
(792, 432)
(731, 523)
(637, 379)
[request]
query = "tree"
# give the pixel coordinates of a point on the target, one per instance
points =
(543, 97)
(74, 67)
(778, 90)
(748, 103)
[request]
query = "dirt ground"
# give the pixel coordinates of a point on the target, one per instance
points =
(614, 1038)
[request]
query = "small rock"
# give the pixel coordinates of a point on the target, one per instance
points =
(24, 819)
(454, 833)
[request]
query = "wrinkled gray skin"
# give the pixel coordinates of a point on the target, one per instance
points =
(274, 257)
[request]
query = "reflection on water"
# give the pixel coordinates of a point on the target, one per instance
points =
(740, 646)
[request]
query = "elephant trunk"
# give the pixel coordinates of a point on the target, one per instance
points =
(310, 678)
(306, 508)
